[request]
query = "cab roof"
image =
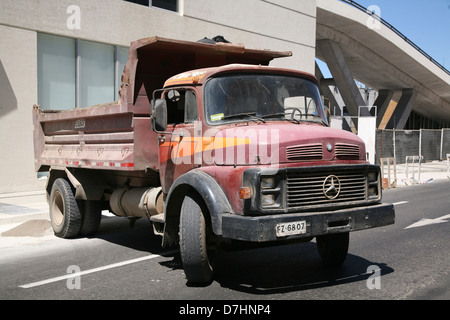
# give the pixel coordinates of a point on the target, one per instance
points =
(199, 76)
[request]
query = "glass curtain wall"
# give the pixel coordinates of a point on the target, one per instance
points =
(56, 72)
(77, 73)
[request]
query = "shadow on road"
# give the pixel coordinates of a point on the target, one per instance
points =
(289, 268)
(137, 236)
(260, 271)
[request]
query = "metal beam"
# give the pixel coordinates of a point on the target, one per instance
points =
(382, 103)
(342, 75)
(403, 110)
(335, 108)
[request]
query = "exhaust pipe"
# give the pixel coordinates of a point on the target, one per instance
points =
(137, 202)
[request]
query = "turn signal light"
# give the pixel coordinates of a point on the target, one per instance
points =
(245, 193)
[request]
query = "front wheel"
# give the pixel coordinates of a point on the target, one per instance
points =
(333, 248)
(195, 245)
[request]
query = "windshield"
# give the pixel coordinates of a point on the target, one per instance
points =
(262, 97)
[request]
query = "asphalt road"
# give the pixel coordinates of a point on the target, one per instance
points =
(407, 260)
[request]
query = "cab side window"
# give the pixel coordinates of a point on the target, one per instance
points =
(181, 106)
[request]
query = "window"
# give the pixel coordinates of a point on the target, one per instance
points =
(261, 97)
(96, 73)
(171, 5)
(165, 4)
(77, 73)
(190, 109)
(56, 71)
(142, 2)
(181, 106)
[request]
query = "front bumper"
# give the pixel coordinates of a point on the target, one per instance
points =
(262, 228)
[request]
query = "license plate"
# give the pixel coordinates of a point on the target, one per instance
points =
(290, 228)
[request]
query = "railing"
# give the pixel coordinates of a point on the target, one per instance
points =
(448, 165)
(388, 181)
(401, 35)
(413, 160)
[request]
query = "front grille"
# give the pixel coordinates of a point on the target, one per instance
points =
(307, 188)
(347, 151)
(304, 152)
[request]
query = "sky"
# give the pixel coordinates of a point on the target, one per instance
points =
(424, 22)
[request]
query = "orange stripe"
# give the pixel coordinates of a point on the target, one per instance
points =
(188, 80)
(196, 145)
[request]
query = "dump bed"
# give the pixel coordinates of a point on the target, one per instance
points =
(118, 135)
(102, 137)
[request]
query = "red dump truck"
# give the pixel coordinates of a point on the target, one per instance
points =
(212, 146)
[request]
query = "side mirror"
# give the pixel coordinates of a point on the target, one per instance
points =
(159, 115)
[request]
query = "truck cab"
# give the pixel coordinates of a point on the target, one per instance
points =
(278, 171)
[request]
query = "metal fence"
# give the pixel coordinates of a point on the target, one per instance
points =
(399, 144)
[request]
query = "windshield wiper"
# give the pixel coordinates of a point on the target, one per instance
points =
(273, 115)
(280, 114)
(252, 115)
(316, 117)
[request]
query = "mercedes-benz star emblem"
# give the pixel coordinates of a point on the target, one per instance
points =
(331, 187)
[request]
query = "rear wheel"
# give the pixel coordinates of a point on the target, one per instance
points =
(65, 216)
(91, 212)
(196, 245)
(333, 248)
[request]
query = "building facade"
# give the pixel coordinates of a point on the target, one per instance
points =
(63, 54)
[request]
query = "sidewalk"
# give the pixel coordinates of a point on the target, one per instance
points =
(19, 207)
(408, 175)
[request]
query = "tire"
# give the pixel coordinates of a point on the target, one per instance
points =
(333, 248)
(65, 216)
(195, 231)
(91, 213)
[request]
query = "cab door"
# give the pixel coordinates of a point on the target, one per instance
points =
(177, 144)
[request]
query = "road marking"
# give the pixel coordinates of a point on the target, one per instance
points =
(400, 202)
(110, 266)
(426, 222)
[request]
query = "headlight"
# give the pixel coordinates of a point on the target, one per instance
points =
(267, 182)
(270, 192)
(372, 176)
(373, 191)
(262, 191)
(267, 200)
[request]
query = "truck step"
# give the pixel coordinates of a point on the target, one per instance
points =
(158, 218)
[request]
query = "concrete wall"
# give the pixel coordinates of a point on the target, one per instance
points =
(18, 93)
(259, 24)
(277, 25)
